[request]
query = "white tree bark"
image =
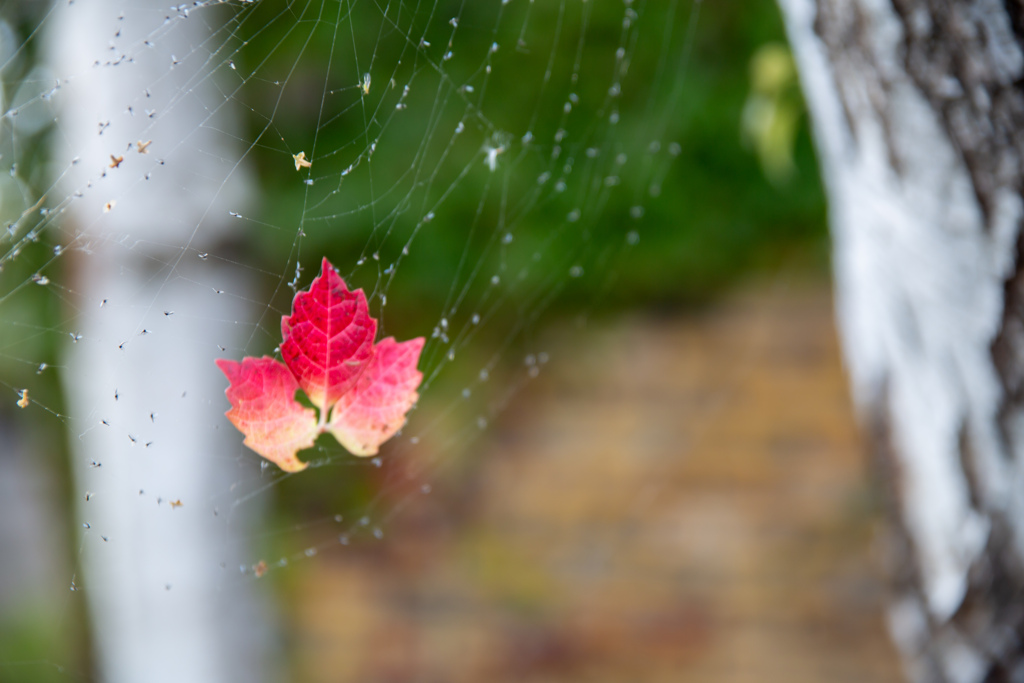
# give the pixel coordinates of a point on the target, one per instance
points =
(917, 114)
(165, 597)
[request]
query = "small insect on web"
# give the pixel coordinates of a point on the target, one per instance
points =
(365, 388)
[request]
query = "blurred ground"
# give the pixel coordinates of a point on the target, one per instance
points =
(673, 499)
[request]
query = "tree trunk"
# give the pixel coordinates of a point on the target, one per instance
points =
(918, 115)
(163, 604)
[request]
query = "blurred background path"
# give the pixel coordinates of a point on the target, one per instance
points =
(681, 498)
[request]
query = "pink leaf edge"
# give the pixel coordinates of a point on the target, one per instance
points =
(264, 409)
(375, 409)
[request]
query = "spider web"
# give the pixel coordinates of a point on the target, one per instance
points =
(176, 175)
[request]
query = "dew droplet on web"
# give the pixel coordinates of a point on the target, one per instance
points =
(377, 533)
(484, 375)
(481, 423)
(310, 552)
(425, 488)
(575, 271)
(364, 521)
(343, 539)
(377, 462)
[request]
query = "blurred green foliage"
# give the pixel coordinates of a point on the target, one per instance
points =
(716, 218)
(28, 640)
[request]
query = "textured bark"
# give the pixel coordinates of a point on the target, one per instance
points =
(918, 113)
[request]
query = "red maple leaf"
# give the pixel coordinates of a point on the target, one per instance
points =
(362, 390)
(328, 338)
